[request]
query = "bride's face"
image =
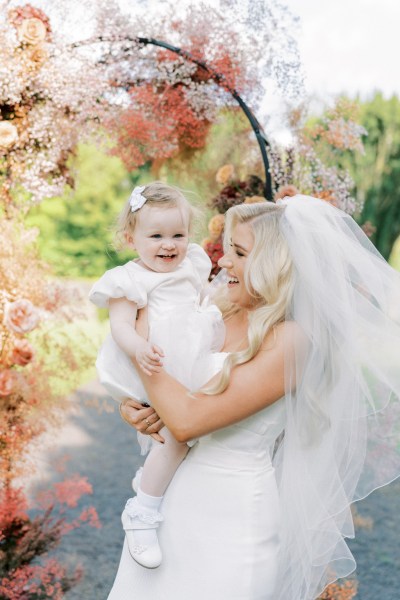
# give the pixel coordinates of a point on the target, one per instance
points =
(234, 261)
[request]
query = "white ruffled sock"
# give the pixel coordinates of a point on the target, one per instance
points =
(150, 505)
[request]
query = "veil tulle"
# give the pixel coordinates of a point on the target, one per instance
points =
(342, 432)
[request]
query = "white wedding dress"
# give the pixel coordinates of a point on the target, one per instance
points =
(220, 535)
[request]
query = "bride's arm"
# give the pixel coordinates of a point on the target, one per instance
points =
(252, 387)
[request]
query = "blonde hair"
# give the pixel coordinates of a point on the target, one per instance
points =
(268, 278)
(157, 194)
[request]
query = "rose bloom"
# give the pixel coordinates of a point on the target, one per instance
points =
(225, 174)
(31, 31)
(7, 381)
(21, 316)
(286, 190)
(39, 54)
(8, 134)
(22, 353)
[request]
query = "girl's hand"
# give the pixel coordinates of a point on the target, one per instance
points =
(148, 357)
(139, 417)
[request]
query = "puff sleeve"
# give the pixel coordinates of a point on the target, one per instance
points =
(118, 283)
(200, 261)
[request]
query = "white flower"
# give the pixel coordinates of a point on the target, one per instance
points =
(136, 199)
(8, 134)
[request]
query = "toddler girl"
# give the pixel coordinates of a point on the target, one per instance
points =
(167, 279)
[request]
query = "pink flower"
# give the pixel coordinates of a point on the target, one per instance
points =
(22, 353)
(7, 381)
(21, 316)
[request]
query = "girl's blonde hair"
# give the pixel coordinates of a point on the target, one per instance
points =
(268, 278)
(157, 194)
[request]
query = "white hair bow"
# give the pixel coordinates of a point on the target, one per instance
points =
(136, 199)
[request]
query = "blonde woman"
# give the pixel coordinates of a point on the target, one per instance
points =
(300, 405)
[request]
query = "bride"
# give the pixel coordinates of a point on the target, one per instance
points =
(300, 417)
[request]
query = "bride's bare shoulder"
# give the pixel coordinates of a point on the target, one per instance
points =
(284, 335)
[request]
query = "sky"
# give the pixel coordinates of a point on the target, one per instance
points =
(350, 46)
(347, 47)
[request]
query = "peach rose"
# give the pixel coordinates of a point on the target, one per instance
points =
(31, 31)
(225, 174)
(21, 316)
(8, 134)
(39, 54)
(216, 226)
(286, 190)
(22, 353)
(7, 381)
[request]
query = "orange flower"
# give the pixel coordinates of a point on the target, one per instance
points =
(22, 353)
(286, 190)
(31, 31)
(225, 174)
(216, 226)
(327, 196)
(39, 54)
(7, 381)
(21, 316)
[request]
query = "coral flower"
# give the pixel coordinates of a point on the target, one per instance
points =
(225, 174)
(22, 353)
(7, 381)
(21, 316)
(32, 31)
(8, 134)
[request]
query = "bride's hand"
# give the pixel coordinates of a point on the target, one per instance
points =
(142, 418)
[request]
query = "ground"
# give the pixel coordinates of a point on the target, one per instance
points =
(103, 448)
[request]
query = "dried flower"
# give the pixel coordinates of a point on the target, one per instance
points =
(7, 382)
(328, 196)
(216, 226)
(225, 174)
(31, 31)
(286, 190)
(8, 134)
(368, 228)
(21, 316)
(22, 353)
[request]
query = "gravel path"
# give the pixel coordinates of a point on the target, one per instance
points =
(104, 449)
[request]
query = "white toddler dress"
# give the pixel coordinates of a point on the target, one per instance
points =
(183, 327)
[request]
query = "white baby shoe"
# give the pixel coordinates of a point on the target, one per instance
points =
(143, 545)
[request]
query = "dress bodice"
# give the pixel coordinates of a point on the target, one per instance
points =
(254, 436)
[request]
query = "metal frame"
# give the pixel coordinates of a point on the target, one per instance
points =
(220, 80)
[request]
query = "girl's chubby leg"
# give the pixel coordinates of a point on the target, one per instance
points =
(161, 464)
(140, 518)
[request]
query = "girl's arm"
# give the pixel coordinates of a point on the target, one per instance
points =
(252, 387)
(123, 329)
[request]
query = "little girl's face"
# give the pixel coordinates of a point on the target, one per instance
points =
(161, 237)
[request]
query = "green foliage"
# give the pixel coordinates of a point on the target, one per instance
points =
(82, 337)
(377, 172)
(76, 229)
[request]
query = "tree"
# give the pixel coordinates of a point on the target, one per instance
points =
(377, 172)
(76, 228)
